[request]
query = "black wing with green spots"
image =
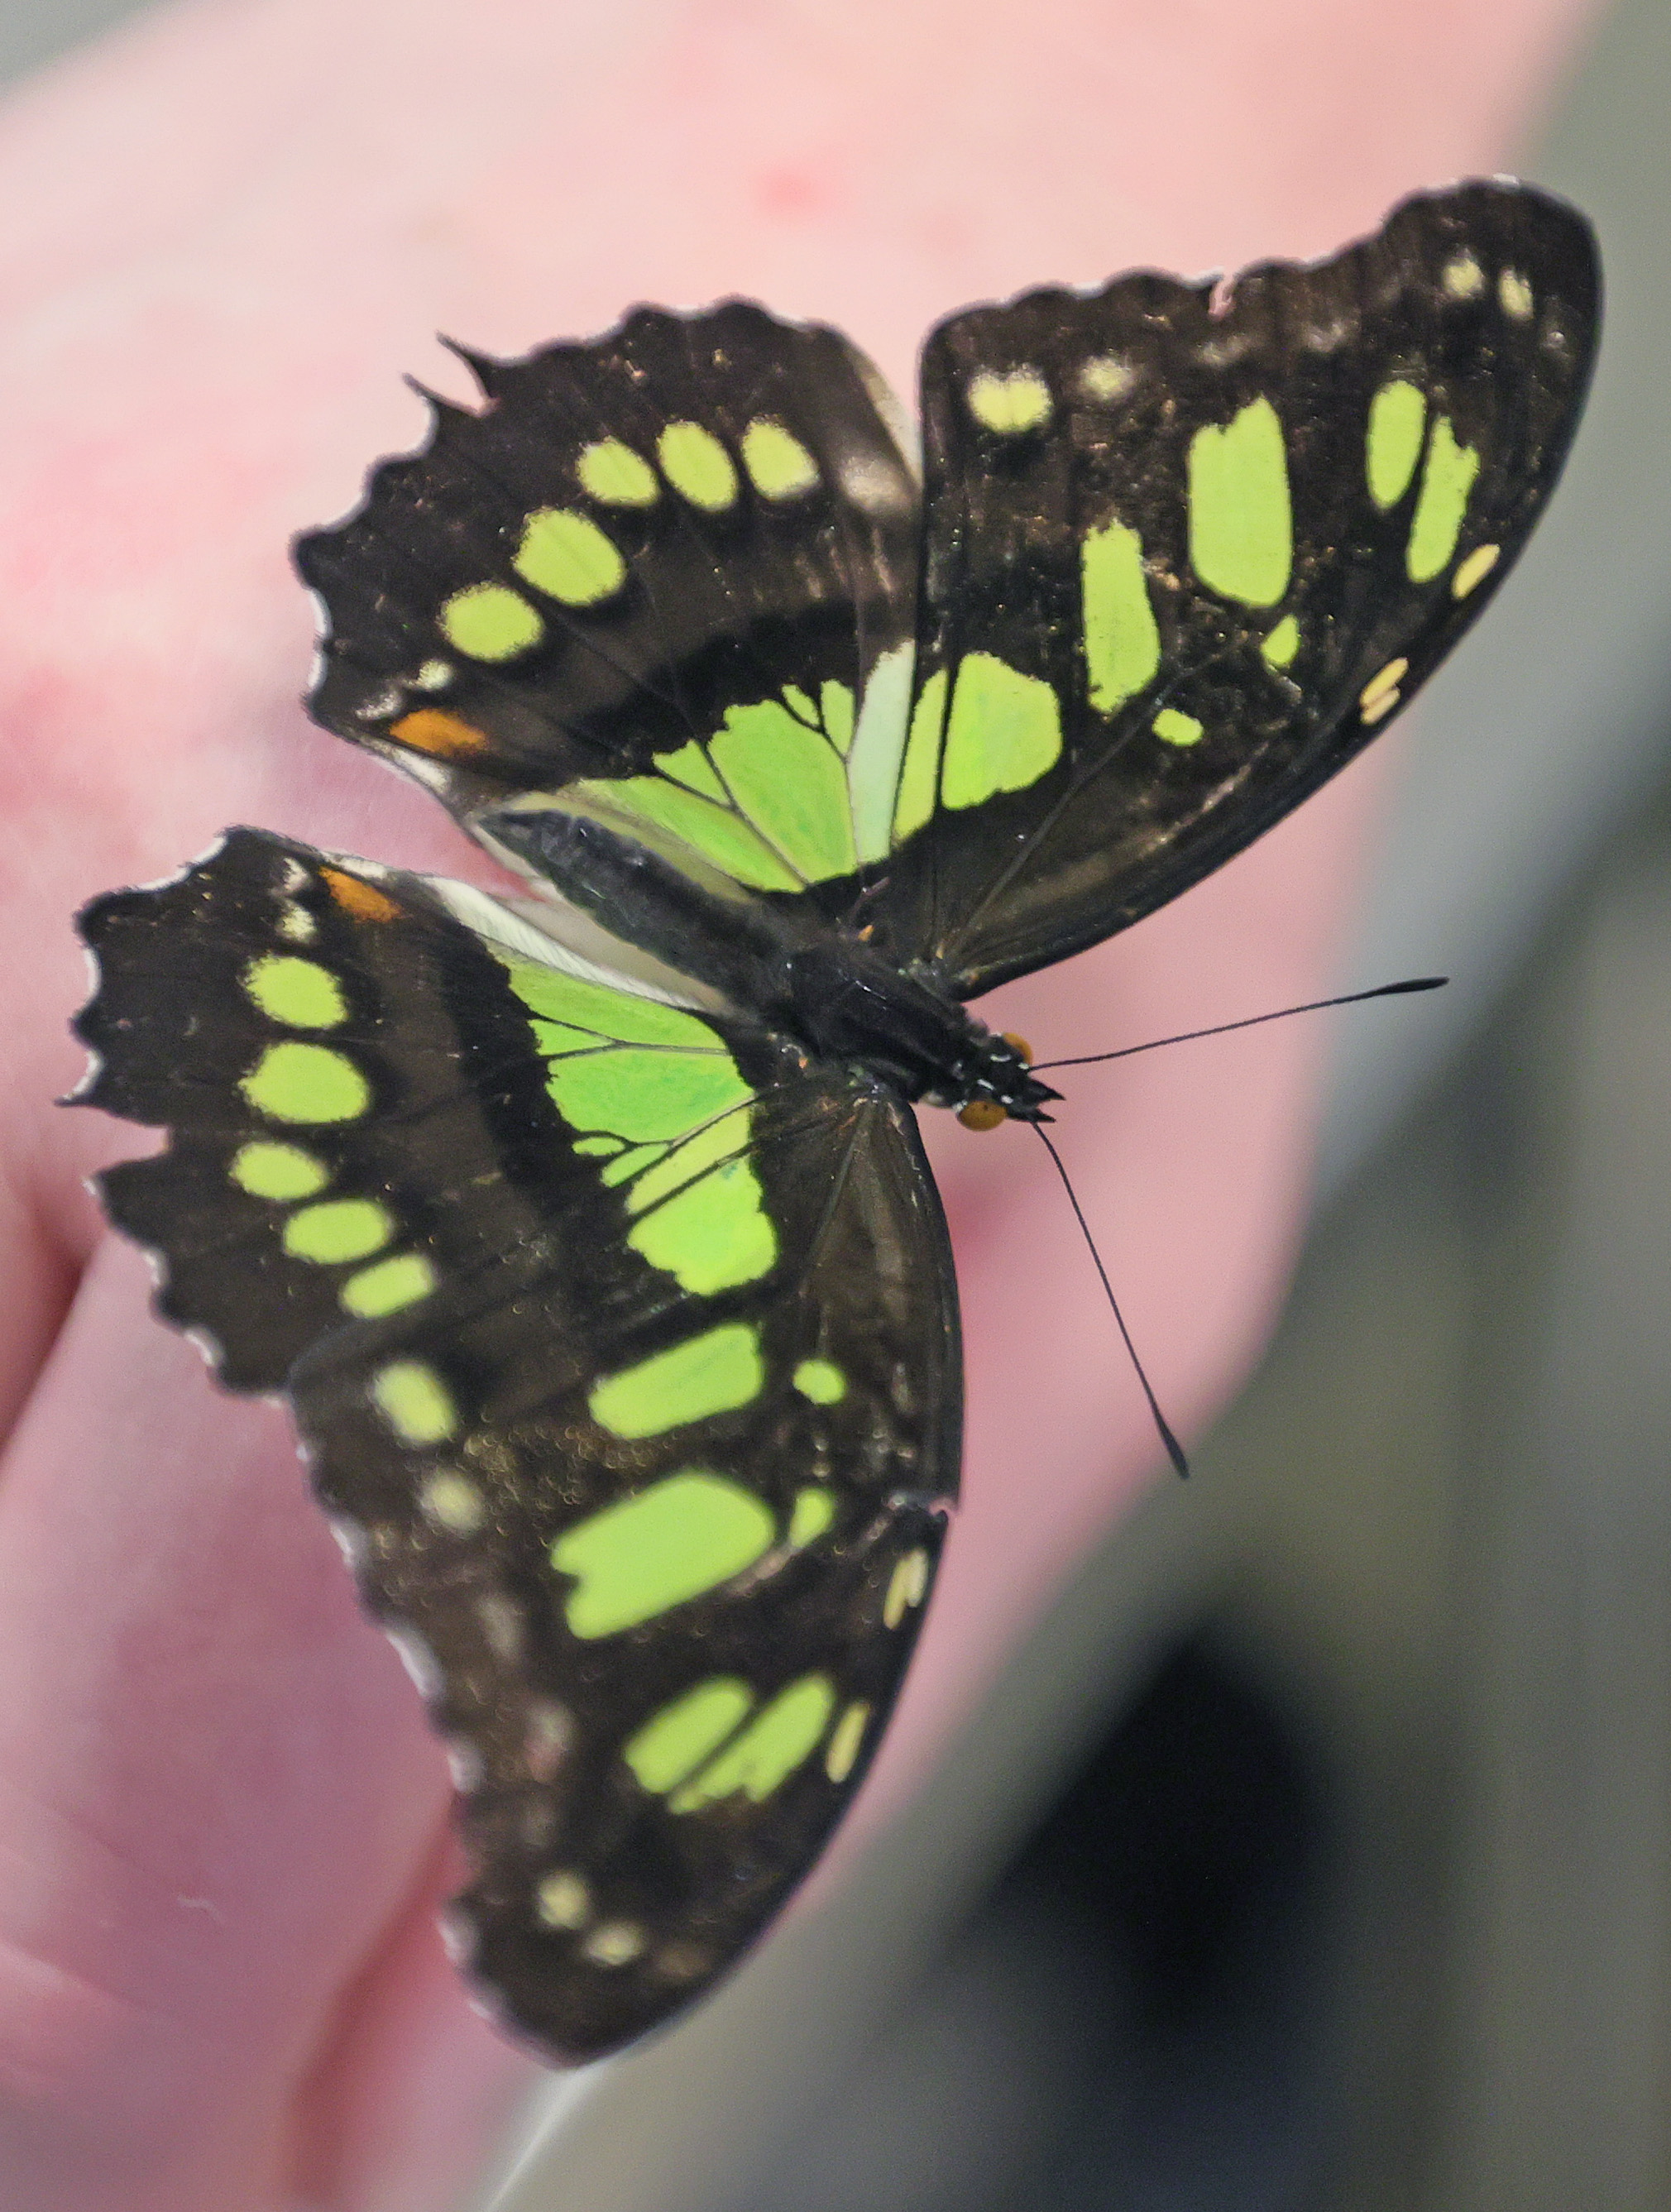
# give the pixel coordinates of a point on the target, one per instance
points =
(653, 580)
(624, 1347)
(1188, 547)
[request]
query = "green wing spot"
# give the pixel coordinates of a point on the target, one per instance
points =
(714, 1237)
(724, 837)
(641, 1094)
(489, 621)
(920, 772)
(1446, 481)
(1123, 639)
(836, 711)
(712, 1373)
(1283, 643)
(615, 475)
(779, 465)
(608, 1016)
(1009, 403)
(388, 1286)
(567, 556)
(298, 992)
(811, 1514)
(667, 1169)
(674, 1742)
(790, 784)
(634, 1161)
(598, 1148)
(846, 1737)
(641, 1557)
(339, 1230)
(1005, 733)
(769, 1749)
(691, 767)
(670, 1077)
(306, 1082)
(697, 466)
(820, 1380)
(1241, 528)
(277, 1171)
(414, 1402)
(1174, 728)
(1398, 415)
(877, 748)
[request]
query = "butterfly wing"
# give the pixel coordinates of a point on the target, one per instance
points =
(625, 1352)
(665, 583)
(1188, 547)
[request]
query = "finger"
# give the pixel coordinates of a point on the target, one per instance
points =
(217, 1791)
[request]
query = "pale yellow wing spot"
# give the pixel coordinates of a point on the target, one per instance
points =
(1473, 569)
(1010, 403)
(1105, 378)
(907, 1586)
(1462, 278)
(846, 1741)
(614, 1943)
(562, 1900)
(1380, 695)
(454, 1502)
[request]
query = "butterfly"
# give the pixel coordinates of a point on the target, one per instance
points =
(587, 1231)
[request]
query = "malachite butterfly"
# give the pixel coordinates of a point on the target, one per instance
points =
(588, 1232)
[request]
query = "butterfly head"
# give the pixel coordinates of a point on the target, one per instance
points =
(1000, 1086)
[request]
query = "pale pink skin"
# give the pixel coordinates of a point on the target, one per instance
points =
(221, 1816)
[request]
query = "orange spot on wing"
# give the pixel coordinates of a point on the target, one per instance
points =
(433, 730)
(363, 900)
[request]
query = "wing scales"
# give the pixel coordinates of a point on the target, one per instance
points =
(1182, 546)
(583, 1481)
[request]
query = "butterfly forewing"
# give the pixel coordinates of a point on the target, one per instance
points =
(1188, 546)
(625, 1349)
(653, 579)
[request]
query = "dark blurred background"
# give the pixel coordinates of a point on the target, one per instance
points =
(1316, 1854)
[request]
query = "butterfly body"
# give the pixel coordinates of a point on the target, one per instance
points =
(812, 980)
(588, 1232)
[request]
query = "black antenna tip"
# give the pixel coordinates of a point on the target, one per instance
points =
(1174, 1448)
(1415, 983)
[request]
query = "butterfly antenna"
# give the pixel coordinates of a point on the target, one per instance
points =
(1174, 1448)
(1252, 1021)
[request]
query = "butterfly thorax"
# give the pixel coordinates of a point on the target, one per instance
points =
(823, 984)
(851, 1003)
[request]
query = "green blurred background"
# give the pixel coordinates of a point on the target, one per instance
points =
(1316, 1853)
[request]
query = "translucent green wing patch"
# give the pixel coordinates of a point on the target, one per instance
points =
(624, 1347)
(1188, 547)
(655, 1097)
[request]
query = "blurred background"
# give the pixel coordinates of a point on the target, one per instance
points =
(1316, 1853)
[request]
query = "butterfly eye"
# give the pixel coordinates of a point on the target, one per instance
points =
(982, 1114)
(1019, 1047)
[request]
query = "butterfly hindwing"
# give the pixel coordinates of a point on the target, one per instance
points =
(624, 1347)
(1188, 546)
(652, 581)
